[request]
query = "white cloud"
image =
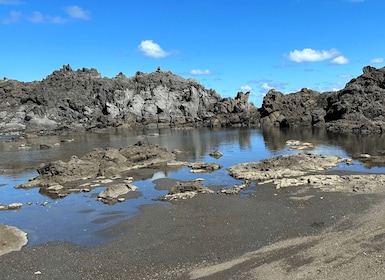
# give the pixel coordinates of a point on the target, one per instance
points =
(246, 88)
(151, 49)
(340, 60)
(377, 60)
(199, 72)
(76, 12)
(310, 55)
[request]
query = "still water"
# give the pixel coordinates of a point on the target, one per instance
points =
(78, 217)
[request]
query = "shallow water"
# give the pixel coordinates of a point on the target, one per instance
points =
(78, 217)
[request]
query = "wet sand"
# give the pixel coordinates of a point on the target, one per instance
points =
(291, 233)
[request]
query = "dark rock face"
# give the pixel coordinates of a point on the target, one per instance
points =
(290, 110)
(358, 108)
(83, 99)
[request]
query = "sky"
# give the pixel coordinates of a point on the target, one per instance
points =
(226, 45)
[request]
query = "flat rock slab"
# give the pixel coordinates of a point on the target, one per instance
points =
(363, 183)
(11, 239)
(308, 170)
(285, 166)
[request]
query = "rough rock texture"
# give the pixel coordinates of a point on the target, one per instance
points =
(101, 167)
(185, 190)
(285, 166)
(83, 99)
(358, 108)
(364, 183)
(308, 170)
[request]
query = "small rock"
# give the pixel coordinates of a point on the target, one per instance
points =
(216, 154)
(14, 206)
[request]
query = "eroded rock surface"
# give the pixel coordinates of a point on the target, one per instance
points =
(285, 166)
(186, 189)
(308, 170)
(83, 99)
(357, 108)
(101, 167)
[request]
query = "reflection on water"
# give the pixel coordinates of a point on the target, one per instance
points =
(78, 217)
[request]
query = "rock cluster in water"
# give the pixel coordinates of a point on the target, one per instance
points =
(101, 167)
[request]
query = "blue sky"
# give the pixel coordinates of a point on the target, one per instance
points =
(249, 45)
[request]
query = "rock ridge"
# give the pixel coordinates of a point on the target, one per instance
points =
(357, 108)
(83, 99)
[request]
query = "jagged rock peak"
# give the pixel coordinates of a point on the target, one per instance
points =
(66, 72)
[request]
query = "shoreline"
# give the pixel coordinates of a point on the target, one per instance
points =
(213, 235)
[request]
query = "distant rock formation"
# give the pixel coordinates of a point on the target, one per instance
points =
(83, 99)
(358, 108)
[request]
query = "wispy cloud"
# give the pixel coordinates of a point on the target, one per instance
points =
(377, 60)
(151, 49)
(310, 55)
(38, 17)
(199, 72)
(11, 2)
(72, 13)
(14, 16)
(246, 88)
(77, 12)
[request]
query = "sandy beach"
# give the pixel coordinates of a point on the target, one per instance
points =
(291, 233)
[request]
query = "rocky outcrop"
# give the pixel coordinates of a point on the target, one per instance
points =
(308, 170)
(300, 108)
(285, 166)
(358, 108)
(83, 99)
(101, 167)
